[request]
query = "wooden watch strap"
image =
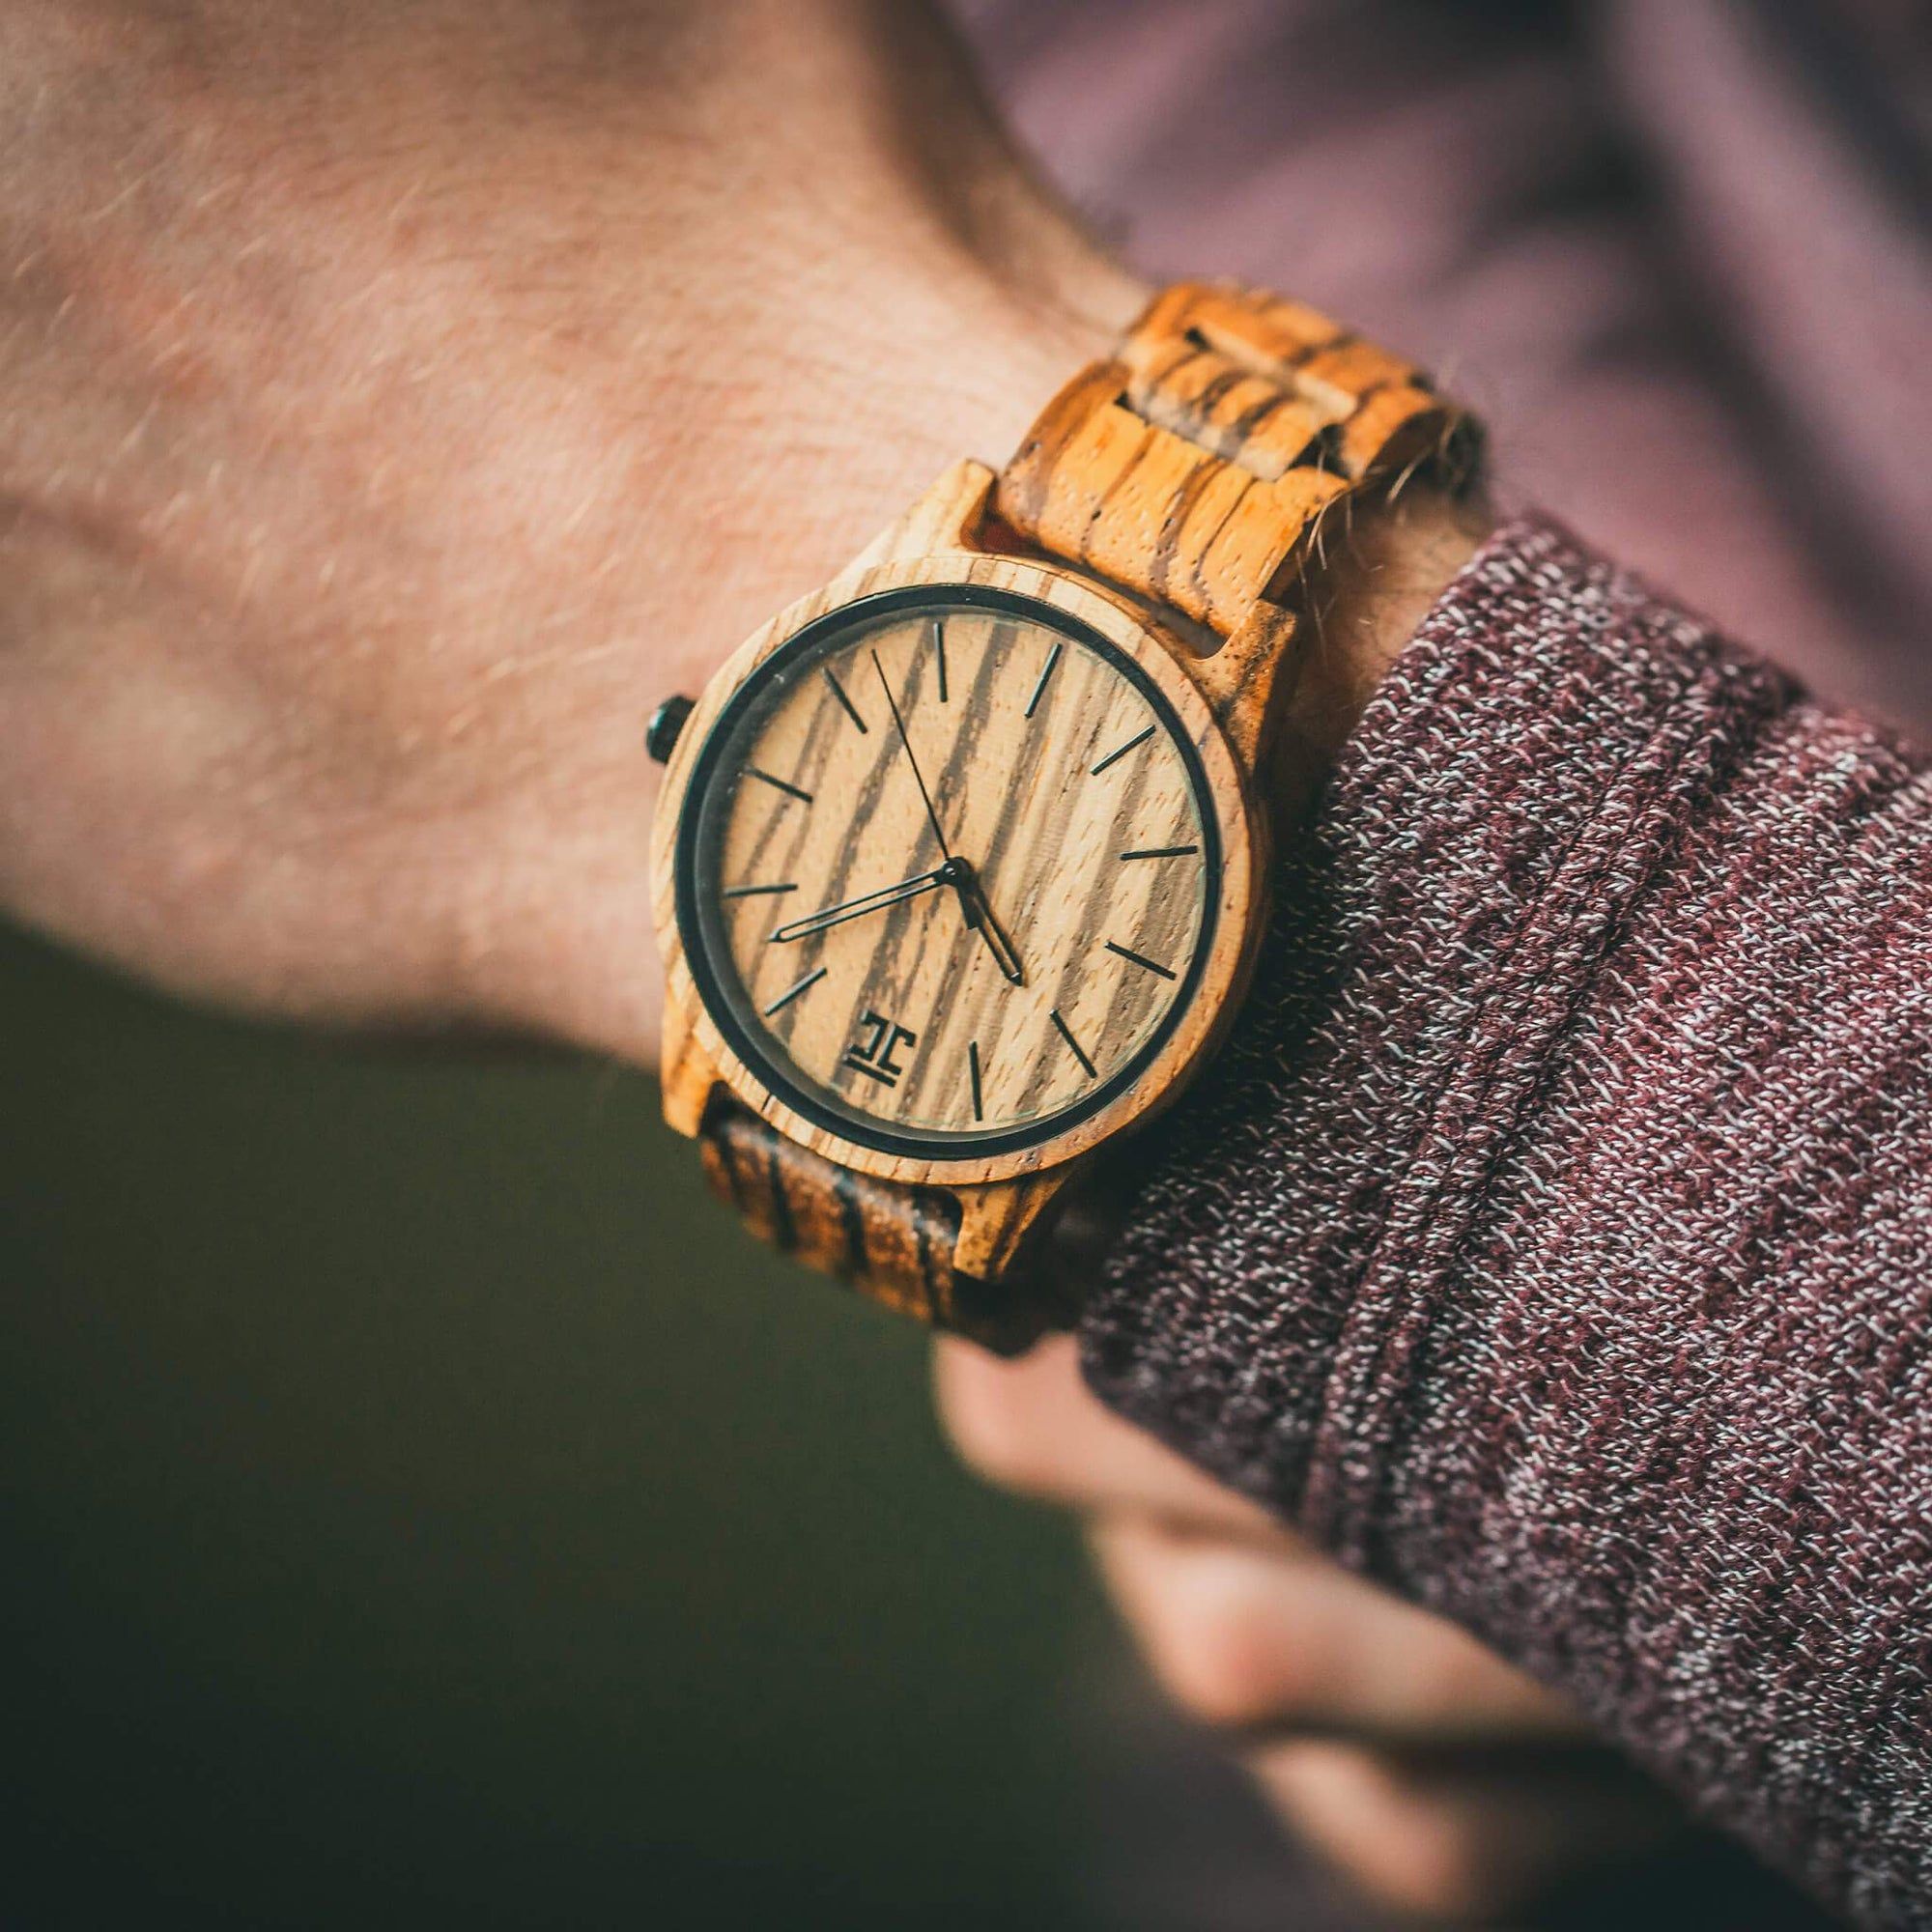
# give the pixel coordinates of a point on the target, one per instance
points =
(1193, 469)
(892, 1242)
(1196, 466)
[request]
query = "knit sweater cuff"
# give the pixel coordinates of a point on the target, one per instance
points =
(1296, 1256)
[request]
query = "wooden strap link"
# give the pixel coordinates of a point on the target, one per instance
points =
(1195, 465)
(892, 1242)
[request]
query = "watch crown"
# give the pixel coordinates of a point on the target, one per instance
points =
(666, 727)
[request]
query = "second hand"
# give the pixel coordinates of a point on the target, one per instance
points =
(892, 704)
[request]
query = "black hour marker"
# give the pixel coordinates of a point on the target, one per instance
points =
(1039, 689)
(784, 785)
(973, 1066)
(1066, 1033)
(839, 691)
(792, 993)
(1140, 959)
(939, 651)
(1161, 852)
(1113, 757)
(754, 892)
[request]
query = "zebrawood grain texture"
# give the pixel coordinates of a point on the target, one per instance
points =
(1099, 484)
(904, 943)
(1043, 766)
(959, 866)
(1195, 469)
(899, 1246)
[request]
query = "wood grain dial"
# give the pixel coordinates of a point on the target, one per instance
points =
(949, 869)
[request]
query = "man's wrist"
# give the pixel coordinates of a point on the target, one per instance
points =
(1384, 569)
(341, 651)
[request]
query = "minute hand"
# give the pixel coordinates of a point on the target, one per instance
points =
(887, 895)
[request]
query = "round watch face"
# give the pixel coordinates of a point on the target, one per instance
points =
(947, 871)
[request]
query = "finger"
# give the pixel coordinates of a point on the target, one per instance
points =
(1242, 1637)
(1031, 1424)
(1465, 1840)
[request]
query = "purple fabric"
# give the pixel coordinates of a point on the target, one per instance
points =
(1556, 1237)
(1553, 1239)
(1664, 246)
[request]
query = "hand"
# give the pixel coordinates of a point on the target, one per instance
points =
(887, 895)
(392, 409)
(1438, 1777)
(979, 912)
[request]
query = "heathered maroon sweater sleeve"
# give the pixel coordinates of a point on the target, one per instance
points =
(1553, 1239)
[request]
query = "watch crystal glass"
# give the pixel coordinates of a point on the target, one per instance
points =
(948, 870)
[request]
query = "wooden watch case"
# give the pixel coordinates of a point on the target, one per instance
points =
(1221, 697)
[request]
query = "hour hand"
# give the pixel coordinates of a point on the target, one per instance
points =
(886, 895)
(980, 918)
(1005, 956)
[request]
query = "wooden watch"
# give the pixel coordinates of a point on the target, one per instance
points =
(961, 861)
